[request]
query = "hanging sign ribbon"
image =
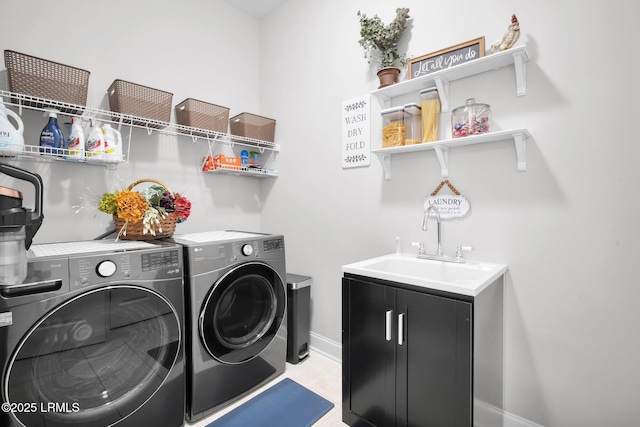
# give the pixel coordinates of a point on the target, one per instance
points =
(448, 205)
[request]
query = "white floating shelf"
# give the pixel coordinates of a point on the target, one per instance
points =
(518, 56)
(441, 148)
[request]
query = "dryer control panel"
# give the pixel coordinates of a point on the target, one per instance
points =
(256, 248)
(273, 245)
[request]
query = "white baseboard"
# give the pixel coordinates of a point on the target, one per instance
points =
(486, 415)
(325, 346)
(511, 420)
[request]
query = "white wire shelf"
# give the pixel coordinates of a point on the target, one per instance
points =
(244, 171)
(21, 101)
(47, 154)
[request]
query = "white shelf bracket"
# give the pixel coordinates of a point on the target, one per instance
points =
(385, 161)
(443, 90)
(520, 140)
(443, 157)
(520, 67)
(384, 101)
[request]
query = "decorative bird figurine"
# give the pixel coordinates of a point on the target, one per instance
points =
(510, 38)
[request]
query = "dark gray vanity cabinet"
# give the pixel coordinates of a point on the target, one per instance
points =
(408, 355)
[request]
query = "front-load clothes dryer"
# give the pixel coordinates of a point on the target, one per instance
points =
(94, 337)
(236, 316)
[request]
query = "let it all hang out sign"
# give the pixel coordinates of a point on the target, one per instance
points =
(356, 132)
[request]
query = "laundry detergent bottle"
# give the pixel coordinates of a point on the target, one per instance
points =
(75, 142)
(94, 146)
(11, 137)
(51, 139)
(112, 144)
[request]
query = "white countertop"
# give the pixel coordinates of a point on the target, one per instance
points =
(469, 278)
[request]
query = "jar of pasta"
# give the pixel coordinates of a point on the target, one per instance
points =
(412, 124)
(470, 119)
(430, 103)
(393, 127)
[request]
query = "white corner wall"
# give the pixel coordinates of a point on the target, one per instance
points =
(567, 227)
(193, 49)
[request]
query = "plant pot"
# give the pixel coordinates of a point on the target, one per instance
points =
(388, 76)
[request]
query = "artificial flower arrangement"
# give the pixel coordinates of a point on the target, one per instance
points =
(149, 214)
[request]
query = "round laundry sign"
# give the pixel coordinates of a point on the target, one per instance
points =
(448, 205)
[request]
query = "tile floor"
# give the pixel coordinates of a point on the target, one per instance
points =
(318, 373)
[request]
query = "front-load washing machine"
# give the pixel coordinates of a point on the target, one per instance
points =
(236, 295)
(93, 337)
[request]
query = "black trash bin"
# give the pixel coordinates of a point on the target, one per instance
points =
(298, 317)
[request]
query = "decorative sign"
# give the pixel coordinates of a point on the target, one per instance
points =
(448, 205)
(356, 132)
(446, 58)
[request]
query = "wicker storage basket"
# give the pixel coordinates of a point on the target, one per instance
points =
(140, 101)
(40, 78)
(136, 231)
(253, 126)
(202, 115)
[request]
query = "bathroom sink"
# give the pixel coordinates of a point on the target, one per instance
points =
(468, 278)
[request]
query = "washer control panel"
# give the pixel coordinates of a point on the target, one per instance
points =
(124, 266)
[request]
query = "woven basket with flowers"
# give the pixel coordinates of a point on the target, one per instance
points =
(146, 215)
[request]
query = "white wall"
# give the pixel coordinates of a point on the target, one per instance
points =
(193, 49)
(567, 227)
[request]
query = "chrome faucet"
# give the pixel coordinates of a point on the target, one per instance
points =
(424, 225)
(439, 256)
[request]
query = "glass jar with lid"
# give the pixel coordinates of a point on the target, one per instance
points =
(412, 124)
(393, 127)
(430, 103)
(470, 119)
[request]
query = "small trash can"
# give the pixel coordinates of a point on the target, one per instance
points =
(298, 317)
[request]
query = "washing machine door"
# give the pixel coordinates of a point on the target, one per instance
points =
(95, 359)
(242, 312)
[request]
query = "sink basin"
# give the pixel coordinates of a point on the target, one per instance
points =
(468, 278)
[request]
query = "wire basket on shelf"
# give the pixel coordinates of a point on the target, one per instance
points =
(147, 215)
(40, 78)
(140, 101)
(253, 126)
(202, 115)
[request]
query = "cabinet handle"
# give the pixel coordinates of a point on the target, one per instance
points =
(401, 328)
(389, 319)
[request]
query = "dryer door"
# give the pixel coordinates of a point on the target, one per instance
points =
(95, 359)
(242, 312)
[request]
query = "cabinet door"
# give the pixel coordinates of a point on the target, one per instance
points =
(436, 372)
(371, 370)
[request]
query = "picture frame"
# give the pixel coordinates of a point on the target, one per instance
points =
(446, 58)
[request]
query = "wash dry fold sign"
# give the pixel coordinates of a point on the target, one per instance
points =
(356, 138)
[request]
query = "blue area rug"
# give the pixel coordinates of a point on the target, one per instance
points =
(286, 404)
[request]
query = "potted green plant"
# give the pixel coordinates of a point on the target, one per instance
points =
(380, 43)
